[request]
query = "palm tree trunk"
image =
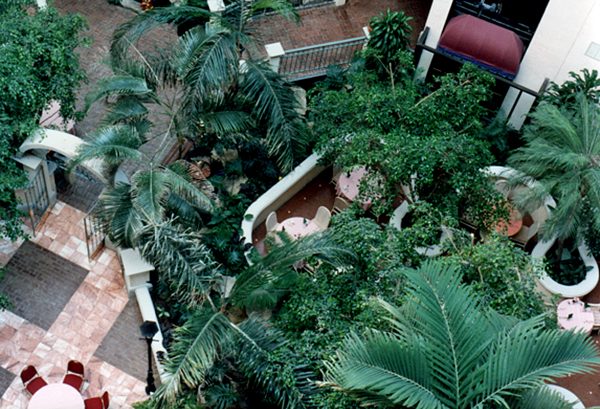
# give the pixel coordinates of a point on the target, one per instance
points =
(559, 252)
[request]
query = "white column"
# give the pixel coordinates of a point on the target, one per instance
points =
(275, 52)
(340, 2)
(215, 6)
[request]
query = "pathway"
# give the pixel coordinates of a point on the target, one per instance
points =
(72, 320)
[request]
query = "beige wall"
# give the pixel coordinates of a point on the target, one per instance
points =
(558, 46)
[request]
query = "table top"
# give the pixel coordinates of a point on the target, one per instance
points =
(57, 396)
(297, 227)
(347, 185)
(581, 317)
(514, 224)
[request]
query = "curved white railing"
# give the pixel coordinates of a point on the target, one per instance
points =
(280, 193)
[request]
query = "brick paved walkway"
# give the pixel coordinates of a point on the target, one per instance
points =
(82, 325)
(329, 23)
(40, 283)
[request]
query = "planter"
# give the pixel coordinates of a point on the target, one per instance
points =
(431, 251)
(579, 290)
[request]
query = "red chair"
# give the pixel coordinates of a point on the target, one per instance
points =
(96, 402)
(35, 385)
(28, 373)
(74, 375)
(31, 380)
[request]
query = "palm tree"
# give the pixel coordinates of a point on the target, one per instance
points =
(154, 193)
(213, 93)
(562, 154)
(445, 350)
(222, 328)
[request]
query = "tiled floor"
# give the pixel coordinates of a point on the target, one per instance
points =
(80, 327)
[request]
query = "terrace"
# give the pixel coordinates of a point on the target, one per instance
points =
(50, 332)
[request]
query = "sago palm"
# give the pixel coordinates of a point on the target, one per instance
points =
(562, 153)
(445, 350)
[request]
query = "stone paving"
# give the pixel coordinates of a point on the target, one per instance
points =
(82, 324)
(330, 23)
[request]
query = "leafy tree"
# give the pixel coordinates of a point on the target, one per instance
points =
(500, 273)
(444, 350)
(561, 151)
(38, 64)
(427, 142)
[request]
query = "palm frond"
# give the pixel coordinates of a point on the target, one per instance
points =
(239, 12)
(150, 189)
(275, 103)
(196, 345)
(117, 85)
(207, 61)
(181, 185)
(540, 398)
(264, 282)
(130, 32)
(254, 357)
(111, 145)
(382, 369)
(117, 215)
(534, 356)
(180, 257)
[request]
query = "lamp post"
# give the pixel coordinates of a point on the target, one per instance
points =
(148, 330)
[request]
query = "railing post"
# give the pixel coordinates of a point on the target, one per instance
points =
(216, 6)
(275, 52)
(340, 2)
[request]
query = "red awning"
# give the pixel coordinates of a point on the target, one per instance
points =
(483, 43)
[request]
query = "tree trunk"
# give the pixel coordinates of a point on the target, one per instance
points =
(559, 251)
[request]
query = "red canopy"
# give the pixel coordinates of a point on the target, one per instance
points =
(483, 43)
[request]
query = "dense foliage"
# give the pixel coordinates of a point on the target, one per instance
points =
(424, 144)
(444, 349)
(560, 157)
(38, 64)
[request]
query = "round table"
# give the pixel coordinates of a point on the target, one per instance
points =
(581, 318)
(347, 186)
(514, 224)
(57, 396)
(297, 227)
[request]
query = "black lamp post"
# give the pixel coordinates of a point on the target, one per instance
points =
(149, 329)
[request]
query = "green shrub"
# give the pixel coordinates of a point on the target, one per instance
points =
(390, 33)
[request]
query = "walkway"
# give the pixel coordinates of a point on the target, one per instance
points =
(67, 308)
(330, 23)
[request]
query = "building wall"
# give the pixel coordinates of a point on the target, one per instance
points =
(558, 46)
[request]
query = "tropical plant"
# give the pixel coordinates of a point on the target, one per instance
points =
(213, 93)
(444, 350)
(390, 33)
(561, 151)
(38, 64)
(566, 93)
(218, 331)
(154, 193)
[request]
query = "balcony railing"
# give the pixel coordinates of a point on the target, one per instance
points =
(312, 61)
